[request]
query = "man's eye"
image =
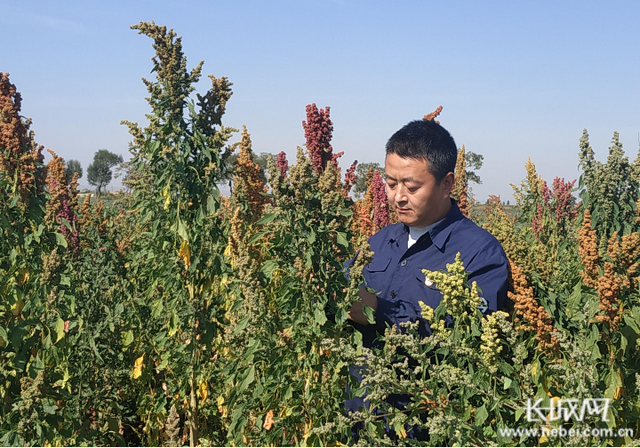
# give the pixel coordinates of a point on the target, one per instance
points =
(392, 186)
(413, 189)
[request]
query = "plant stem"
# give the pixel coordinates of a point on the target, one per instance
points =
(193, 419)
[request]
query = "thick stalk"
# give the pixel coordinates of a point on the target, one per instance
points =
(193, 419)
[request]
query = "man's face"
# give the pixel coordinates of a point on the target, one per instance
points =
(413, 192)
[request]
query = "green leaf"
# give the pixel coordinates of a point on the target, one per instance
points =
(173, 324)
(59, 329)
(369, 313)
(118, 309)
(247, 380)
(242, 324)
(92, 344)
(319, 316)
(308, 258)
(66, 223)
(269, 267)
(573, 302)
(481, 415)
(288, 393)
(127, 339)
(164, 361)
(113, 424)
(182, 230)
(49, 407)
(519, 413)
(623, 342)
(341, 239)
(613, 381)
(61, 240)
(507, 383)
(593, 337)
(258, 236)
(311, 238)
(630, 321)
(156, 308)
(341, 316)
(266, 219)
(153, 146)
(18, 336)
(211, 204)
(398, 428)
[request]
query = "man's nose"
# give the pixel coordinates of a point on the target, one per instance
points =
(401, 194)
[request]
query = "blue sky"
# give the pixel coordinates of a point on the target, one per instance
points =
(516, 79)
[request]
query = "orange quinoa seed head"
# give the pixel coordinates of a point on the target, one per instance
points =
(530, 315)
(23, 156)
(588, 249)
(608, 290)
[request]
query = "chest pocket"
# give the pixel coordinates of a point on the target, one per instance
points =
(377, 275)
(431, 294)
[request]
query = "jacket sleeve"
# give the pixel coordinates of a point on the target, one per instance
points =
(492, 277)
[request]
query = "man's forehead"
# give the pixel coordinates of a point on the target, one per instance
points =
(405, 168)
(413, 161)
(404, 179)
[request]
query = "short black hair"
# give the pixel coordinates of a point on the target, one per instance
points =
(427, 140)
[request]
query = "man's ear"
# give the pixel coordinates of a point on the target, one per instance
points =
(447, 182)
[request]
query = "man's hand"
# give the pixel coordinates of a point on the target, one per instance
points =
(356, 313)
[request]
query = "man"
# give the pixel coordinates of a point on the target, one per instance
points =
(419, 166)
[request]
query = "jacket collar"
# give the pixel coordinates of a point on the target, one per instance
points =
(440, 232)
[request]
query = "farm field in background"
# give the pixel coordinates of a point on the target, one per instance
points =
(173, 315)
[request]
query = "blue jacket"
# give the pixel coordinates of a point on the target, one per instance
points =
(395, 272)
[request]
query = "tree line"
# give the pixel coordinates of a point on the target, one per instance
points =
(100, 173)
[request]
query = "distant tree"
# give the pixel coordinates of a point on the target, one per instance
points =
(359, 188)
(474, 162)
(507, 202)
(99, 172)
(229, 165)
(131, 178)
(487, 202)
(71, 167)
(124, 170)
(261, 160)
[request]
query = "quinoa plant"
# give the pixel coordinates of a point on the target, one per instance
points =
(287, 378)
(175, 264)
